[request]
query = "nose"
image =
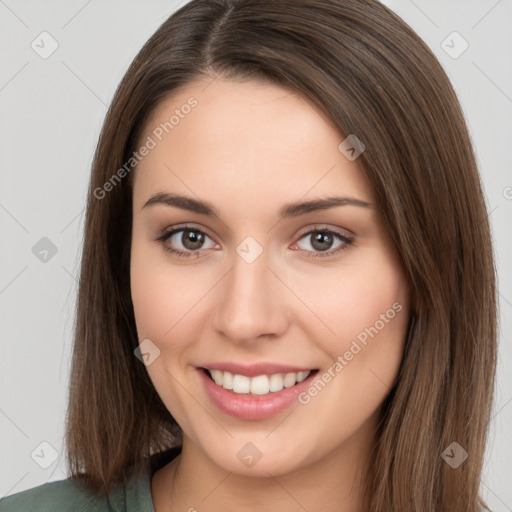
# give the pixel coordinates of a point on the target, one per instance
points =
(252, 302)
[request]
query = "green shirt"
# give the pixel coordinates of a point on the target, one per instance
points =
(70, 496)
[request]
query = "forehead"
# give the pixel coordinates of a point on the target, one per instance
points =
(249, 140)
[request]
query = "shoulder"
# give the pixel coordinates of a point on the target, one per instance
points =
(63, 495)
(71, 496)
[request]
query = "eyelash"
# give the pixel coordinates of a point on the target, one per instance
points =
(347, 241)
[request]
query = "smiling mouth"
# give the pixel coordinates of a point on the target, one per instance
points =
(258, 385)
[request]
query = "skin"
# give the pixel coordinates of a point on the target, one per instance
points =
(248, 148)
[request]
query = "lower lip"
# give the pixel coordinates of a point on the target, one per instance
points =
(253, 407)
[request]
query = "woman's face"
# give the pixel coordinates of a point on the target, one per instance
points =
(277, 276)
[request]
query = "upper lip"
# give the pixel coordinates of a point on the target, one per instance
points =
(253, 370)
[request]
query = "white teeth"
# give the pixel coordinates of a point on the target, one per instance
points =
(302, 375)
(241, 384)
(289, 380)
(218, 377)
(276, 382)
(260, 385)
(228, 380)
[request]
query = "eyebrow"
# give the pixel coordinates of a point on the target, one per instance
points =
(286, 211)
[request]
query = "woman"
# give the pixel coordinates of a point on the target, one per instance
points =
(287, 292)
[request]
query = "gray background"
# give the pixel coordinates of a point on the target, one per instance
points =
(52, 110)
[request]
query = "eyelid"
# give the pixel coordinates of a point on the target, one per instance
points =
(306, 231)
(346, 239)
(183, 227)
(343, 232)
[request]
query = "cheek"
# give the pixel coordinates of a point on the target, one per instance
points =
(153, 304)
(355, 297)
(363, 305)
(367, 308)
(162, 294)
(161, 298)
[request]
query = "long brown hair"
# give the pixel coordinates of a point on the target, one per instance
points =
(375, 78)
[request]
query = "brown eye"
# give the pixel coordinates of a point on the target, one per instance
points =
(192, 240)
(323, 242)
(186, 241)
